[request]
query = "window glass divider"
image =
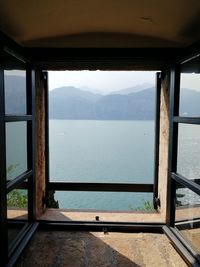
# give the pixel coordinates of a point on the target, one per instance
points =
(180, 247)
(186, 182)
(185, 224)
(157, 138)
(15, 118)
(188, 120)
(47, 160)
(173, 143)
(3, 199)
(186, 244)
(31, 229)
(18, 180)
(31, 144)
(14, 244)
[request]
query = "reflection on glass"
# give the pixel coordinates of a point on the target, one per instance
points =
(102, 201)
(187, 204)
(188, 210)
(17, 204)
(16, 149)
(14, 229)
(190, 94)
(15, 91)
(188, 163)
(17, 212)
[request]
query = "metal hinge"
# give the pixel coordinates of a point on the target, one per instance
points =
(105, 230)
(156, 202)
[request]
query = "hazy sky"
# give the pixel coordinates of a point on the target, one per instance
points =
(190, 81)
(108, 81)
(102, 81)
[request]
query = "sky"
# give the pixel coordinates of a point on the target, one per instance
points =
(100, 81)
(108, 81)
(190, 81)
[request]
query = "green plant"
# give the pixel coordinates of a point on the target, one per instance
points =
(11, 168)
(51, 202)
(17, 199)
(147, 206)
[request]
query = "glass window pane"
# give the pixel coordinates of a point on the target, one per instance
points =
(15, 91)
(188, 163)
(188, 210)
(16, 149)
(17, 212)
(17, 204)
(107, 201)
(190, 88)
(187, 204)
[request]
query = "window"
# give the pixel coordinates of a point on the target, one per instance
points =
(184, 198)
(16, 158)
(101, 130)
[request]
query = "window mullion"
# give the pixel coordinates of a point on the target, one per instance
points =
(3, 199)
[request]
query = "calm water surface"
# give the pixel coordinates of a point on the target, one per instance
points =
(102, 151)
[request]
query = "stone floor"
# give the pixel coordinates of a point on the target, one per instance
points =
(193, 237)
(89, 249)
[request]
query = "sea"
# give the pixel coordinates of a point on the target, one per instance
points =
(105, 152)
(117, 151)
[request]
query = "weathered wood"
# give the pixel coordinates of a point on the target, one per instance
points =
(163, 146)
(40, 143)
(103, 58)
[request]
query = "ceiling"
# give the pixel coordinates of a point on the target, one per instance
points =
(101, 23)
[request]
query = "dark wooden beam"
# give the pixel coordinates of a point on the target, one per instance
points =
(103, 58)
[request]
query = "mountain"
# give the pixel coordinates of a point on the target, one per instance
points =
(72, 103)
(73, 92)
(89, 89)
(135, 106)
(133, 89)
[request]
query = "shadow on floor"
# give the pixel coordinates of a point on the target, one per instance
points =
(85, 249)
(71, 249)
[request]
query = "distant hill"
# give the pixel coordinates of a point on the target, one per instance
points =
(133, 89)
(135, 106)
(73, 103)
